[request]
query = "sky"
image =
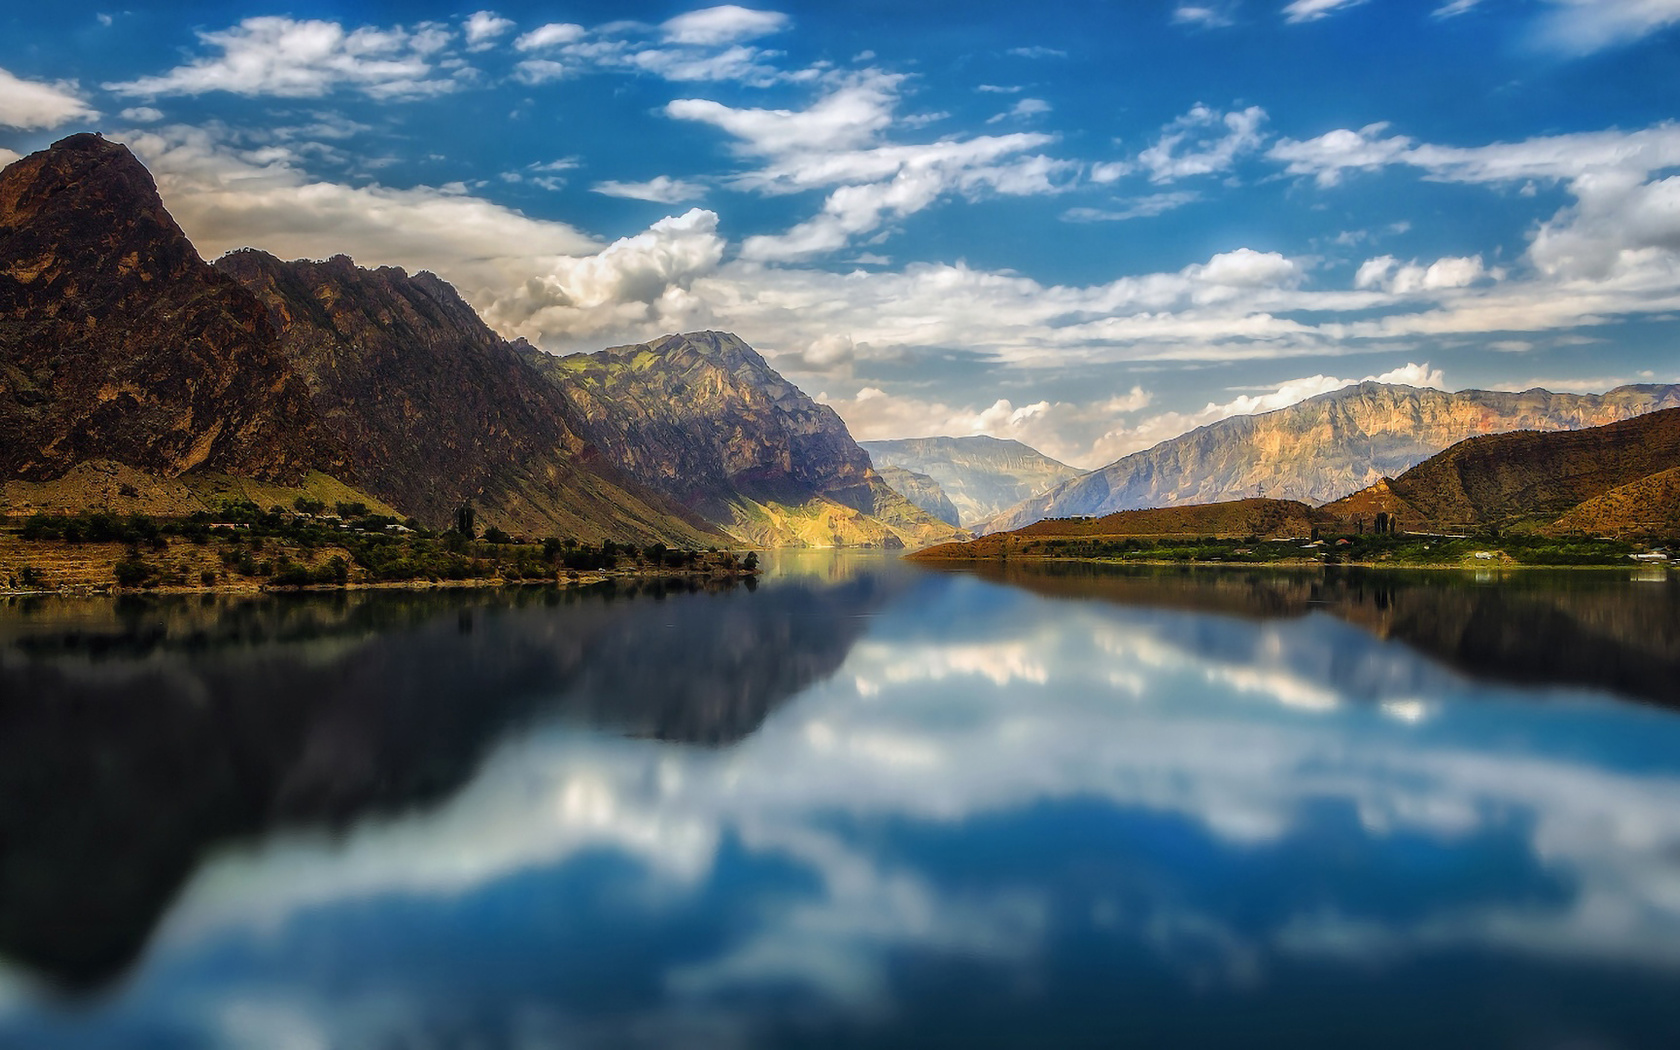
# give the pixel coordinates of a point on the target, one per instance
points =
(1089, 225)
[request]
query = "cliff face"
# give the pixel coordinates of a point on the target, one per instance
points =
(705, 420)
(118, 342)
(983, 476)
(923, 491)
(1612, 477)
(1324, 447)
(434, 407)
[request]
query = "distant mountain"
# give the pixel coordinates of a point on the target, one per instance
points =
(1262, 518)
(135, 376)
(117, 342)
(434, 407)
(982, 476)
(703, 419)
(923, 491)
(1324, 447)
(1618, 477)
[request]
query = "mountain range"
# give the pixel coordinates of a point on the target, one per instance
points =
(981, 476)
(136, 377)
(1619, 479)
(1322, 448)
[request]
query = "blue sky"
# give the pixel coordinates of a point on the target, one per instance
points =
(1089, 225)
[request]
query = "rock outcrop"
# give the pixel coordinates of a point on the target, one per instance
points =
(118, 342)
(705, 420)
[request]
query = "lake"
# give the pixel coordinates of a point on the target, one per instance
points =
(857, 803)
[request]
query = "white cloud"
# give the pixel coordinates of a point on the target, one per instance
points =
(1584, 26)
(1140, 208)
(1454, 8)
(29, 104)
(142, 114)
(726, 24)
(1203, 142)
(1025, 109)
(838, 142)
(275, 55)
(535, 71)
(1207, 16)
(551, 35)
(1313, 10)
(999, 89)
(1037, 51)
(483, 27)
(661, 189)
(1388, 273)
(8, 156)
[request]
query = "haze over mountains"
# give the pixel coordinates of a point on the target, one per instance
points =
(1323, 448)
(982, 476)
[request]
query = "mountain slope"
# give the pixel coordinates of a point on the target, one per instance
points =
(1649, 506)
(923, 491)
(1262, 518)
(1507, 479)
(705, 420)
(117, 342)
(435, 408)
(1323, 447)
(983, 476)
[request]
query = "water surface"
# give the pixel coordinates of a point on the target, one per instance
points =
(858, 804)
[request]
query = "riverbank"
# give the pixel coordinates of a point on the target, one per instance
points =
(103, 554)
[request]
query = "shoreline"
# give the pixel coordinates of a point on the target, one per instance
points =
(1167, 563)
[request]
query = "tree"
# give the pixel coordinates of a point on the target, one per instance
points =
(465, 520)
(751, 562)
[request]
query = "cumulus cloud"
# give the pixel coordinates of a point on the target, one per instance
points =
(551, 35)
(1313, 10)
(1388, 273)
(726, 24)
(1203, 142)
(31, 104)
(290, 58)
(8, 156)
(1025, 109)
(482, 28)
(662, 189)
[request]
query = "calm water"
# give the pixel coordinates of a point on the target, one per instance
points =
(856, 805)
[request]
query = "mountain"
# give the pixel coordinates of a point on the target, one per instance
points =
(1323, 447)
(117, 342)
(435, 407)
(134, 376)
(703, 419)
(982, 476)
(1614, 476)
(923, 491)
(1262, 518)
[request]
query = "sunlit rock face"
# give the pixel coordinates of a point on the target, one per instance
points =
(1323, 448)
(704, 419)
(983, 476)
(119, 343)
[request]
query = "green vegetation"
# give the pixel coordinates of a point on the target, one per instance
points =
(1396, 548)
(284, 548)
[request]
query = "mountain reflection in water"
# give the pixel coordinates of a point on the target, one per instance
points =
(860, 805)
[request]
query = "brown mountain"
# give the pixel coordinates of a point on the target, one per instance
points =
(132, 372)
(435, 407)
(1264, 518)
(1527, 477)
(1324, 447)
(705, 420)
(117, 342)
